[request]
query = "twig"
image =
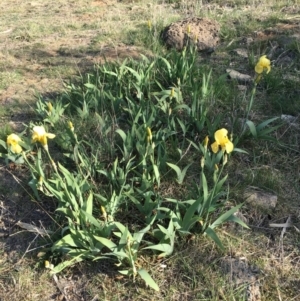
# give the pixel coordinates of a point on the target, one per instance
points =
(60, 289)
(287, 223)
(6, 31)
(278, 291)
(95, 298)
(28, 247)
(32, 197)
(34, 229)
(38, 247)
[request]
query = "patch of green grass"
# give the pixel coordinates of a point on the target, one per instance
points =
(147, 35)
(265, 178)
(283, 92)
(3, 111)
(9, 77)
(57, 70)
(5, 130)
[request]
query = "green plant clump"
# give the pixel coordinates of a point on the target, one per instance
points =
(122, 134)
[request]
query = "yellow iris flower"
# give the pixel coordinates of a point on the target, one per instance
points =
(172, 93)
(222, 141)
(13, 142)
(262, 65)
(205, 142)
(188, 29)
(70, 125)
(48, 265)
(149, 134)
(39, 134)
(50, 107)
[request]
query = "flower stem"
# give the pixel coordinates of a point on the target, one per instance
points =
(253, 92)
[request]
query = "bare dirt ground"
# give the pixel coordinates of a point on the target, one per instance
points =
(42, 44)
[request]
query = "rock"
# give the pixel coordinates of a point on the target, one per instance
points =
(241, 52)
(240, 274)
(240, 77)
(288, 118)
(249, 41)
(259, 198)
(202, 32)
(242, 88)
(291, 120)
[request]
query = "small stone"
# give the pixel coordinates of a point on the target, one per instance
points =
(249, 40)
(288, 118)
(241, 52)
(291, 120)
(240, 77)
(242, 88)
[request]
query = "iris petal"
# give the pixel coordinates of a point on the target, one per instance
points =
(215, 147)
(39, 134)
(220, 135)
(17, 149)
(13, 139)
(262, 64)
(50, 136)
(13, 142)
(222, 141)
(259, 69)
(229, 147)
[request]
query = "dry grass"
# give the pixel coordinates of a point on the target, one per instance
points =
(42, 43)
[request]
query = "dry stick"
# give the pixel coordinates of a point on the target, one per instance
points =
(59, 287)
(34, 229)
(6, 31)
(290, 125)
(283, 53)
(96, 298)
(285, 226)
(20, 183)
(287, 223)
(295, 298)
(28, 247)
(39, 247)
(278, 291)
